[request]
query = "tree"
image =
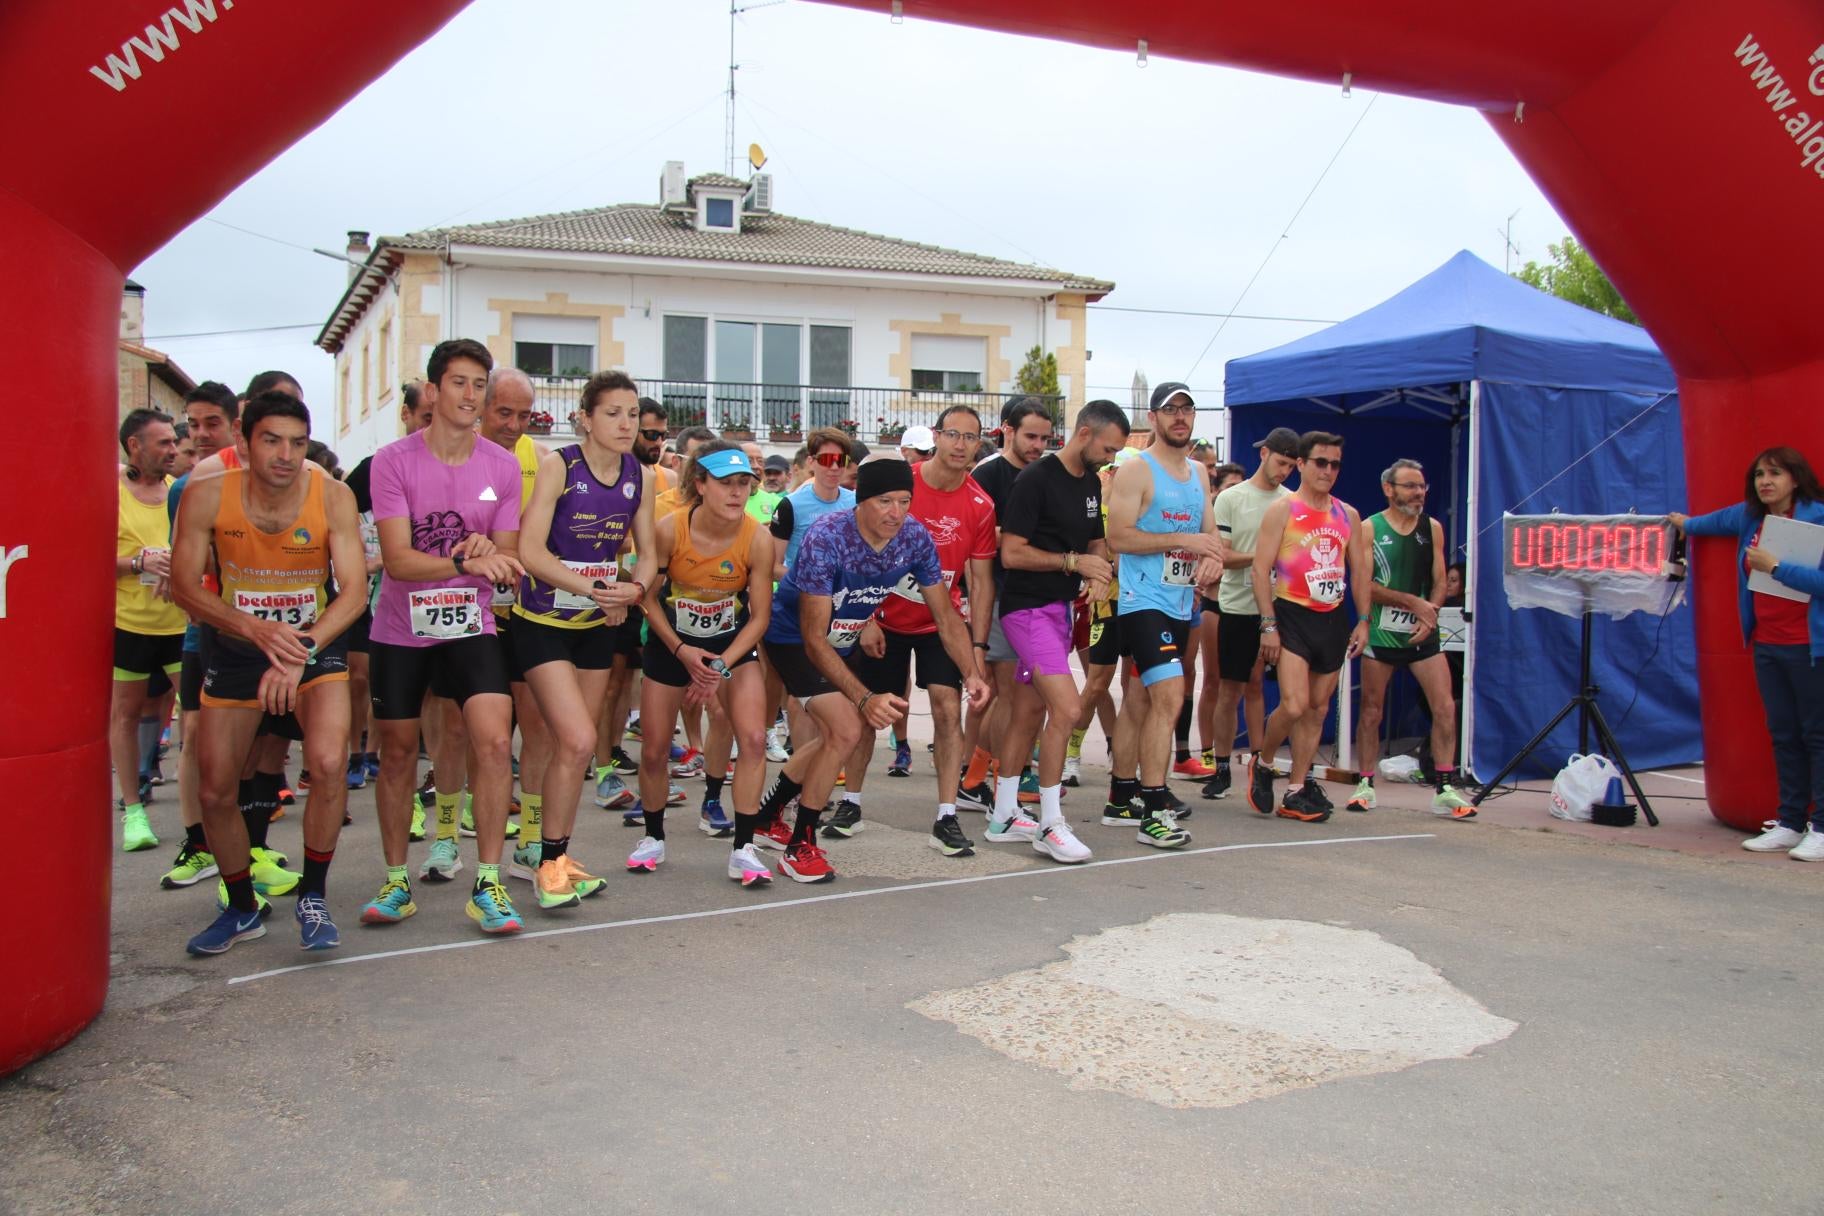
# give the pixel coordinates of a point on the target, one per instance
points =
(1039, 377)
(1574, 275)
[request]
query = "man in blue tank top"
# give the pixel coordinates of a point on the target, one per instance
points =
(1162, 524)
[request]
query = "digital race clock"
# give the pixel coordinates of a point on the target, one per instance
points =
(1615, 564)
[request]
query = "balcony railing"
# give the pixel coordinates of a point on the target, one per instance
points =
(783, 413)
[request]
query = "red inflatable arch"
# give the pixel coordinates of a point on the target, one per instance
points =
(1683, 140)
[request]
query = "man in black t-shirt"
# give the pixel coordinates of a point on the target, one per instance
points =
(1051, 547)
(1025, 430)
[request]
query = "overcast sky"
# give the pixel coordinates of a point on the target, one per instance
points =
(1175, 180)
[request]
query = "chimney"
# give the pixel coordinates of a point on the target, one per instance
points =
(358, 249)
(133, 313)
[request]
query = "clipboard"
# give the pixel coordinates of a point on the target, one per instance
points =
(1796, 542)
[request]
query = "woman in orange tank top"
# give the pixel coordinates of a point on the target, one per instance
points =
(704, 616)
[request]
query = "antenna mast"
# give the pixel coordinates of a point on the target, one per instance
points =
(728, 126)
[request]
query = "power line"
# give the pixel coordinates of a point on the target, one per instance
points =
(1236, 316)
(1286, 231)
(222, 333)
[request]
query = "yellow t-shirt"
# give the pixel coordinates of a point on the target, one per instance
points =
(136, 609)
(528, 455)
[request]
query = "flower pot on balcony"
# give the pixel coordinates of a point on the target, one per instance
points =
(538, 428)
(737, 434)
(788, 438)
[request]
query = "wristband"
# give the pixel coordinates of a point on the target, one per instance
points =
(982, 646)
(862, 704)
(134, 563)
(1269, 628)
(458, 559)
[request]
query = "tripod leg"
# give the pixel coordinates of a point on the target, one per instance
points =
(1608, 740)
(1573, 703)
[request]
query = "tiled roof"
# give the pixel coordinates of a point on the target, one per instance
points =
(642, 230)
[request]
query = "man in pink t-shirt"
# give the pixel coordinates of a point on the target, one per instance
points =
(446, 505)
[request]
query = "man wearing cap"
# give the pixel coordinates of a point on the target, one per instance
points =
(1238, 512)
(847, 563)
(919, 442)
(776, 475)
(960, 519)
(1162, 523)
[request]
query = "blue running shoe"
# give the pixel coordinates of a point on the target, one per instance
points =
(902, 762)
(226, 929)
(713, 820)
(490, 908)
(372, 762)
(315, 930)
(634, 816)
(612, 793)
(677, 753)
(357, 773)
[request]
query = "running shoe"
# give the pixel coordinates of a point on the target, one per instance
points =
(1218, 786)
(775, 748)
(646, 855)
(975, 798)
(145, 788)
(1122, 814)
(136, 832)
(1192, 768)
(315, 930)
(947, 838)
(1260, 785)
(156, 774)
(1774, 839)
(552, 887)
(845, 822)
(357, 773)
(582, 881)
(490, 908)
(286, 797)
(1363, 799)
(1018, 828)
(1029, 788)
(191, 867)
(634, 731)
(1304, 805)
(689, 764)
(1811, 848)
(525, 861)
(1060, 844)
(1317, 791)
(1450, 804)
(1073, 775)
(417, 831)
(1162, 832)
(392, 905)
(229, 927)
(776, 836)
(902, 762)
(1179, 807)
(427, 792)
(270, 877)
(746, 868)
(619, 761)
(304, 779)
(611, 793)
(712, 820)
(1209, 759)
(675, 795)
(443, 863)
(466, 825)
(806, 863)
(371, 761)
(634, 816)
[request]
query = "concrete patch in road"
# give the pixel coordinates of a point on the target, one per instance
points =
(879, 851)
(1203, 1010)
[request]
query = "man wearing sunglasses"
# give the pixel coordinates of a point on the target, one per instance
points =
(1409, 588)
(1312, 549)
(831, 455)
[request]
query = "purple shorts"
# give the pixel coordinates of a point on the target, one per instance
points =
(1041, 637)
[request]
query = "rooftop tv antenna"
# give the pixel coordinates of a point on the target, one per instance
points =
(728, 141)
(1507, 234)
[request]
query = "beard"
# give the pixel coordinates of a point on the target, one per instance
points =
(1171, 442)
(1410, 510)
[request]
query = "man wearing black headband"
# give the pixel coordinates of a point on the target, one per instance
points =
(846, 564)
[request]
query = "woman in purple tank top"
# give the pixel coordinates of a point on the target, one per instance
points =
(591, 499)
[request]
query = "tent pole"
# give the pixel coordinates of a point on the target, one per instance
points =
(1472, 532)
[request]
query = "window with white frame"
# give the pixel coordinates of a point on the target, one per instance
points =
(951, 363)
(555, 346)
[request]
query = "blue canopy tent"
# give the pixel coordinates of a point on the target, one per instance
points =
(1517, 401)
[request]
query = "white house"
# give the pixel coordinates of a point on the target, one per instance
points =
(730, 313)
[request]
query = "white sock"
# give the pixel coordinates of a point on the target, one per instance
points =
(1006, 798)
(946, 810)
(852, 796)
(1051, 805)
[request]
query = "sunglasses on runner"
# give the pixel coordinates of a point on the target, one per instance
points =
(1324, 462)
(833, 460)
(653, 436)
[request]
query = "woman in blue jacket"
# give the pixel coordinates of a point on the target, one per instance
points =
(1787, 637)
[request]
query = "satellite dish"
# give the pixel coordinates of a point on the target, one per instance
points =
(755, 156)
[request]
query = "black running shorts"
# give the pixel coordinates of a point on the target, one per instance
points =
(233, 671)
(138, 655)
(1237, 645)
(535, 643)
(662, 665)
(399, 676)
(889, 672)
(1321, 639)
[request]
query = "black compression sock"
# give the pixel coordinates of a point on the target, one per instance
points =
(744, 829)
(240, 891)
(783, 791)
(550, 849)
(1183, 731)
(193, 836)
(1154, 798)
(805, 830)
(712, 786)
(316, 871)
(655, 824)
(1121, 790)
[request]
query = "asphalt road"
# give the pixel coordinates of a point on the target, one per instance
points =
(689, 1046)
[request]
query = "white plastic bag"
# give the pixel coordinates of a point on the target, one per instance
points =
(1582, 782)
(1401, 768)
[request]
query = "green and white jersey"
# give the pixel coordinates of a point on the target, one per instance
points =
(1402, 562)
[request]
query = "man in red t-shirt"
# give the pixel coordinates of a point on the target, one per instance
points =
(960, 517)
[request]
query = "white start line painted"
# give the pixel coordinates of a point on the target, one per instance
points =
(777, 905)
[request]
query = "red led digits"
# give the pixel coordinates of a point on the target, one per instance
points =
(1585, 546)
